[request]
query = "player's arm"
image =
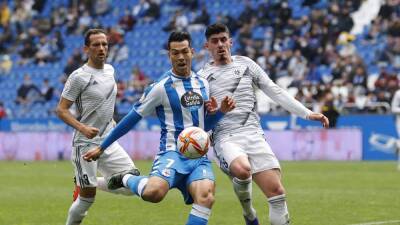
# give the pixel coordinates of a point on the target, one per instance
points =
(72, 89)
(214, 114)
(396, 103)
(279, 95)
(123, 127)
(65, 115)
(146, 105)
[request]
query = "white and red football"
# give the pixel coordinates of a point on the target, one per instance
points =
(193, 142)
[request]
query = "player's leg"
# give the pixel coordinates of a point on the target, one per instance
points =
(151, 188)
(201, 192)
(234, 162)
(85, 173)
(270, 184)
(266, 173)
(114, 160)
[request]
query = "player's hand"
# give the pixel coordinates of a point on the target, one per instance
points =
(227, 104)
(89, 132)
(319, 117)
(211, 105)
(93, 154)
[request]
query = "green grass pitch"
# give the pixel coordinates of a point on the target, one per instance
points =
(319, 193)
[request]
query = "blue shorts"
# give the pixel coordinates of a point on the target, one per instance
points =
(180, 171)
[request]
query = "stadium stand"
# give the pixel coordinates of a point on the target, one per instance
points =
(304, 45)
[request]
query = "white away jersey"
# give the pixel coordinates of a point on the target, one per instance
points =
(240, 79)
(178, 102)
(94, 92)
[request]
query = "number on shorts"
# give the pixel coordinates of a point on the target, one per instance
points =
(85, 179)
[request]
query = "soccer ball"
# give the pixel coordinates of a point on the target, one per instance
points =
(193, 142)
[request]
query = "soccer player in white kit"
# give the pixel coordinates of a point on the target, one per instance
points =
(93, 89)
(239, 142)
(396, 110)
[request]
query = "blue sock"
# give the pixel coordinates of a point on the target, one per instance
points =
(198, 215)
(136, 184)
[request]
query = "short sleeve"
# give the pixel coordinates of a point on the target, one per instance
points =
(151, 98)
(73, 87)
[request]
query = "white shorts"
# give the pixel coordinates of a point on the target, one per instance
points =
(250, 144)
(113, 160)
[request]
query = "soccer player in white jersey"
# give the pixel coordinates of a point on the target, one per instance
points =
(239, 141)
(180, 99)
(93, 89)
(396, 111)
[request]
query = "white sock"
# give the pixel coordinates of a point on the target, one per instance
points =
(243, 190)
(78, 210)
(201, 211)
(142, 184)
(125, 179)
(102, 185)
(278, 212)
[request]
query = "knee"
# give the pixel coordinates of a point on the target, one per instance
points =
(242, 172)
(278, 190)
(206, 199)
(153, 195)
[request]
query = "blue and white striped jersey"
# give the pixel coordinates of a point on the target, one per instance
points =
(178, 103)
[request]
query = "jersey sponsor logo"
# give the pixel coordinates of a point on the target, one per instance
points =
(192, 100)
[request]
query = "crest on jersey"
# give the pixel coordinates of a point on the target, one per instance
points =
(192, 100)
(237, 72)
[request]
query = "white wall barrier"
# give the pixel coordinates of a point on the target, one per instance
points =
(339, 144)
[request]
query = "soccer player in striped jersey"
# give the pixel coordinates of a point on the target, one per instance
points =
(180, 99)
(93, 89)
(238, 138)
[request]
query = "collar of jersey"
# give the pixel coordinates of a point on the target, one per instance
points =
(181, 78)
(93, 70)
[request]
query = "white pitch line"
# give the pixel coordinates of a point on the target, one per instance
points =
(379, 222)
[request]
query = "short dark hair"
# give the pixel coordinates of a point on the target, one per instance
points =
(179, 36)
(216, 28)
(93, 31)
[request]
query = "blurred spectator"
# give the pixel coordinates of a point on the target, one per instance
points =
(118, 52)
(5, 64)
(200, 21)
(139, 80)
(115, 36)
(247, 14)
(58, 41)
(329, 110)
(140, 9)
(27, 52)
(84, 21)
(58, 16)
(192, 5)
(127, 21)
(121, 86)
(72, 20)
(46, 90)
(46, 51)
(28, 92)
(38, 5)
(182, 21)
(153, 12)
(359, 77)
(73, 63)
(102, 7)
(21, 17)
(3, 111)
(200, 59)
(5, 14)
